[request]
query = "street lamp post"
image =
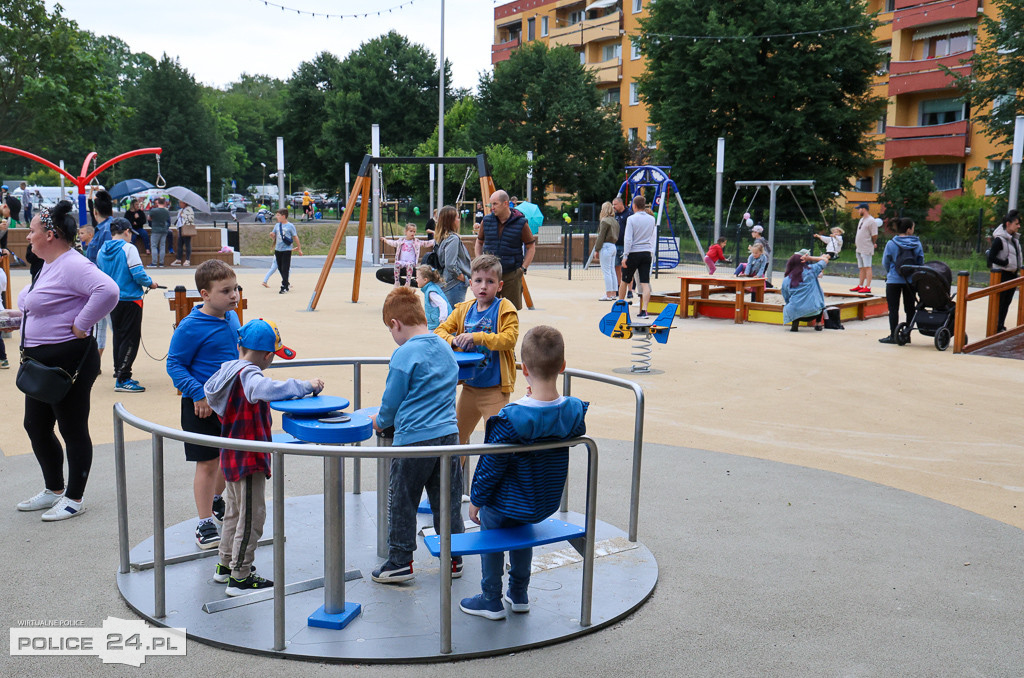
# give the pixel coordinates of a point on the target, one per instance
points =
(263, 186)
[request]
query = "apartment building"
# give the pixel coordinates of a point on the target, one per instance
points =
(924, 121)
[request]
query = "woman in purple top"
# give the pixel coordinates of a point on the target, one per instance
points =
(66, 299)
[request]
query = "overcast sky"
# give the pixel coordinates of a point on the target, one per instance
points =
(218, 40)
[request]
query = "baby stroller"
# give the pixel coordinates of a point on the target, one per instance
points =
(933, 305)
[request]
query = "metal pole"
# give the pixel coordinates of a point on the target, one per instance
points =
(347, 189)
(638, 450)
(279, 583)
(334, 535)
(771, 230)
(588, 552)
(719, 170)
(430, 193)
(357, 400)
(208, 184)
(121, 480)
(529, 177)
(383, 497)
(566, 391)
(159, 579)
(375, 197)
(62, 181)
(440, 116)
(1018, 151)
(446, 552)
(280, 172)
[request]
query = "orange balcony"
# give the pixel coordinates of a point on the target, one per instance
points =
(607, 72)
(914, 13)
(585, 32)
(504, 50)
(906, 77)
(950, 139)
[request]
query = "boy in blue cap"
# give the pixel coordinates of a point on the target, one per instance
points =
(240, 394)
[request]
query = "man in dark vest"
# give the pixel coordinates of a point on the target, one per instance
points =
(505, 234)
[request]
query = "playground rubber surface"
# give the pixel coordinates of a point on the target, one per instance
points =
(818, 503)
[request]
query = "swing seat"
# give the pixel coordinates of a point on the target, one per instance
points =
(668, 253)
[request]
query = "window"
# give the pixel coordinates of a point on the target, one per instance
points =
(575, 17)
(583, 58)
(878, 179)
(529, 29)
(886, 59)
(650, 136)
(611, 96)
(638, 6)
(890, 6)
(944, 45)
(880, 125)
(543, 26)
(995, 169)
(942, 111)
(947, 177)
(632, 135)
(611, 52)
(864, 185)
(1003, 100)
(634, 50)
(634, 94)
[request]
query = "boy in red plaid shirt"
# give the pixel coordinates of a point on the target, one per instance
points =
(240, 395)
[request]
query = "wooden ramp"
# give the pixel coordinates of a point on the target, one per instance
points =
(1011, 347)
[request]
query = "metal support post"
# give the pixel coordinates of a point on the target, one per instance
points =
(719, 170)
(159, 569)
(121, 481)
(1018, 152)
(357, 400)
(334, 535)
(383, 497)
(446, 553)
(375, 194)
(279, 581)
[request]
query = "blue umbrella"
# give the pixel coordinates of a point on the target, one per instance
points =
(123, 189)
(533, 215)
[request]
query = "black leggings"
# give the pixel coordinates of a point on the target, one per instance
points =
(1005, 298)
(71, 415)
(126, 323)
(892, 297)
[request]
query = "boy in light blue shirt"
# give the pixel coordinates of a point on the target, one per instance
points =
(419, 401)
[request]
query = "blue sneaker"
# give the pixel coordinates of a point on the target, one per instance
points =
(519, 602)
(129, 386)
(481, 607)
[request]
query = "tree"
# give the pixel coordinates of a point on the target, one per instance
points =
(169, 112)
(909, 192)
(789, 107)
(331, 104)
(543, 100)
(247, 115)
(960, 215)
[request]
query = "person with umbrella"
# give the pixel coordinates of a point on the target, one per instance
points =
(186, 225)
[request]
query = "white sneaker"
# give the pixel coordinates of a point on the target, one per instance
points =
(43, 500)
(64, 508)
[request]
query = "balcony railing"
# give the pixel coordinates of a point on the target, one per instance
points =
(503, 51)
(914, 13)
(587, 31)
(926, 75)
(950, 139)
(607, 72)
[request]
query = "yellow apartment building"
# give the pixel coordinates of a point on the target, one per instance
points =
(924, 120)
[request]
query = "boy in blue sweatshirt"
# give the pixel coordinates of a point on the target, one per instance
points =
(201, 343)
(419, 401)
(119, 259)
(525, 487)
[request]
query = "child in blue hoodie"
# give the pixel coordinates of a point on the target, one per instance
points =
(120, 259)
(204, 340)
(525, 487)
(905, 249)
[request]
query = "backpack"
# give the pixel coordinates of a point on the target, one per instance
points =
(286, 239)
(904, 257)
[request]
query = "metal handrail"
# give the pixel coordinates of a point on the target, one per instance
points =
(334, 581)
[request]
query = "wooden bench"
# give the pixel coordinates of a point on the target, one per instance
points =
(511, 538)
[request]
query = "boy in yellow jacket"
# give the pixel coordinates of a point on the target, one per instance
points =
(490, 326)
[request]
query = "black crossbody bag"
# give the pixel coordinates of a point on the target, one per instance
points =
(46, 384)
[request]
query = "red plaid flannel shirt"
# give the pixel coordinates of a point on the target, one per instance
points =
(245, 421)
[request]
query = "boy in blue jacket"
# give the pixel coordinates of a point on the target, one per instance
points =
(525, 487)
(119, 259)
(201, 343)
(905, 249)
(419, 401)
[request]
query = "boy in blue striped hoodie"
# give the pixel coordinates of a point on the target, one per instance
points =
(525, 487)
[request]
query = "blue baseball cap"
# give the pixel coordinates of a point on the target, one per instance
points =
(263, 335)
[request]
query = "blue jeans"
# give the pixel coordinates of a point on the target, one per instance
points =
(408, 478)
(456, 294)
(492, 564)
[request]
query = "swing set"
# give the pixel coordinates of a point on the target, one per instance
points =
(641, 177)
(362, 191)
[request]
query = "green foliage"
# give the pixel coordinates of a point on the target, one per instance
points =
(909, 192)
(43, 177)
(508, 168)
(959, 218)
(789, 108)
(332, 104)
(247, 116)
(545, 101)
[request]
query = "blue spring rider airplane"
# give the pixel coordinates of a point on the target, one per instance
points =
(617, 324)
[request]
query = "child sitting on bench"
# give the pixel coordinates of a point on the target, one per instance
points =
(525, 487)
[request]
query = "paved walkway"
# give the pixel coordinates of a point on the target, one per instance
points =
(819, 504)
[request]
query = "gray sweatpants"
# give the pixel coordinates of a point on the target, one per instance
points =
(245, 511)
